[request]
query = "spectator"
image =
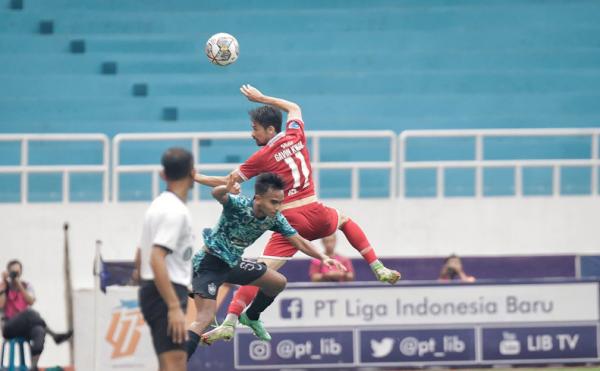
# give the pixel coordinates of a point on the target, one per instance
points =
(453, 270)
(16, 298)
(319, 272)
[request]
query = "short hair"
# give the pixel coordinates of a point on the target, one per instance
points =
(177, 163)
(267, 116)
(13, 262)
(266, 181)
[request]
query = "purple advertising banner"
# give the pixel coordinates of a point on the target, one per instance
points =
(415, 346)
(293, 348)
(539, 343)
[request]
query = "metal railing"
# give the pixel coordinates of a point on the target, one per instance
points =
(397, 164)
(24, 168)
(479, 163)
(196, 144)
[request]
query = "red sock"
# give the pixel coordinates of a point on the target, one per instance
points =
(359, 241)
(242, 298)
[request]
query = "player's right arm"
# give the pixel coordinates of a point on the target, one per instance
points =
(309, 249)
(221, 193)
(176, 319)
(253, 94)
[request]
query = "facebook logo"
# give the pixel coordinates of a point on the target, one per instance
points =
(291, 308)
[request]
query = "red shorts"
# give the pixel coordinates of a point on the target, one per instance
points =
(312, 221)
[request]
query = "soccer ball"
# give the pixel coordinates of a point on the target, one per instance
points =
(222, 49)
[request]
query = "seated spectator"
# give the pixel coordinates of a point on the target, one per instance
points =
(16, 297)
(453, 270)
(318, 272)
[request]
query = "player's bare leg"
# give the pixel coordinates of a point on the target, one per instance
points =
(263, 291)
(359, 241)
(205, 314)
(245, 294)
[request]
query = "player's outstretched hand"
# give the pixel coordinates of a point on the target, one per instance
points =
(176, 326)
(252, 93)
(332, 263)
(232, 186)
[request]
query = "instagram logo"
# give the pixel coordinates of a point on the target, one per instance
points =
(260, 350)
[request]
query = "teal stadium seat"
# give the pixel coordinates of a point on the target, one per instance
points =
(351, 64)
(13, 356)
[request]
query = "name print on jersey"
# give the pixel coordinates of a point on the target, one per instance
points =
(288, 152)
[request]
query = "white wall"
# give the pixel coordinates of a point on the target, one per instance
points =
(496, 226)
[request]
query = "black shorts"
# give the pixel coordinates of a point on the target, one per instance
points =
(156, 312)
(213, 272)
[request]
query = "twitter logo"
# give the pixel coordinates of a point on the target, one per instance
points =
(382, 348)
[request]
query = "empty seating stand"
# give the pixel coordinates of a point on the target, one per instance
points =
(138, 65)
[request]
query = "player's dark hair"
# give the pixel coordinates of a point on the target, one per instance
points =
(177, 163)
(13, 262)
(266, 181)
(267, 116)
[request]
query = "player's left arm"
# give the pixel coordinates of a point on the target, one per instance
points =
(292, 109)
(309, 249)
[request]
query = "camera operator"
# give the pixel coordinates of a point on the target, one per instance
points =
(453, 270)
(16, 298)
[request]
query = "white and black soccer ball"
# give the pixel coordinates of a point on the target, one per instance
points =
(222, 49)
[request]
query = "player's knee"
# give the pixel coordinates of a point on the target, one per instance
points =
(343, 220)
(277, 283)
(280, 283)
(204, 317)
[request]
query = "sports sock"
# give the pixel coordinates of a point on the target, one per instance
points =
(242, 298)
(359, 241)
(232, 319)
(192, 343)
(260, 303)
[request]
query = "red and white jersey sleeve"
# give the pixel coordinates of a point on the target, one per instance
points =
(287, 156)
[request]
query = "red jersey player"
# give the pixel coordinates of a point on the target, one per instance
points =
(285, 153)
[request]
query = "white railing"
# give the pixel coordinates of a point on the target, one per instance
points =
(196, 138)
(397, 163)
(24, 168)
(479, 163)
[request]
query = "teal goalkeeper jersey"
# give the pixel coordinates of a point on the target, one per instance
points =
(237, 229)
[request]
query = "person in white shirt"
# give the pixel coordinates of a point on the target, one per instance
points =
(167, 247)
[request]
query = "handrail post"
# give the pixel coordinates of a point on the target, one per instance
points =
(594, 157)
(25, 173)
(394, 166)
(316, 158)
(115, 168)
(400, 165)
(478, 167)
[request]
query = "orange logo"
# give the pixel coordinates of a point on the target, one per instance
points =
(124, 329)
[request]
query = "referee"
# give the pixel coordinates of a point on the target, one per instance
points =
(166, 250)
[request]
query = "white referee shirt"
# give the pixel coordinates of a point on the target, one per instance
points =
(168, 223)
